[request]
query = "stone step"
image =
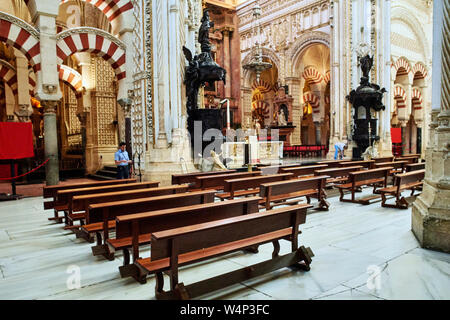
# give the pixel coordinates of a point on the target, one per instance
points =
(108, 173)
(100, 177)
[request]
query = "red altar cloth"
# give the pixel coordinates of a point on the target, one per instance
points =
(396, 135)
(16, 140)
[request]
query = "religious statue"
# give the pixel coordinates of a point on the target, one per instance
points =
(203, 33)
(217, 164)
(281, 118)
(201, 68)
(366, 65)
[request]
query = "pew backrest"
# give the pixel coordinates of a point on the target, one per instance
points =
(64, 196)
(290, 186)
(337, 172)
(190, 177)
(234, 185)
(369, 175)
(365, 163)
(82, 202)
(414, 166)
(218, 181)
(171, 243)
(110, 210)
(304, 171)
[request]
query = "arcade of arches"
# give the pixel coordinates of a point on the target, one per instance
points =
(89, 74)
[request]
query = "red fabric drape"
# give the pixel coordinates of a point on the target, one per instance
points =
(396, 135)
(16, 140)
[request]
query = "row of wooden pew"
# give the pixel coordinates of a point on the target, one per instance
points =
(184, 224)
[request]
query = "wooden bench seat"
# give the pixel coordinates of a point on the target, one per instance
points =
(285, 192)
(248, 186)
(189, 178)
(372, 177)
(337, 175)
(407, 181)
(105, 212)
(138, 227)
(173, 248)
(81, 203)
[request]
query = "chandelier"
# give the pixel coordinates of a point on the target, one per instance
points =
(256, 63)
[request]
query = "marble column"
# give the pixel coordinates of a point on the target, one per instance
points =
(227, 60)
(51, 142)
(431, 210)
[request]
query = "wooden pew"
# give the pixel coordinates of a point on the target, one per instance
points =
(333, 163)
(248, 186)
(217, 181)
(407, 181)
(63, 197)
(174, 248)
(371, 177)
(189, 178)
(275, 169)
(410, 158)
(51, 191)
(399, 166)
(79, 205)
(368, 164)
(383, 159)
(101, 216)
(415, 166)
(136, 229)
(337, 175)
(277, 193)
(304, 171)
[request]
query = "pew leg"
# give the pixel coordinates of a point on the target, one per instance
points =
(126, 257)
(98, 236)
(276, 249)
(173, 276)
(306, 255)
(181, 292)
(308, 200)
(159, 287)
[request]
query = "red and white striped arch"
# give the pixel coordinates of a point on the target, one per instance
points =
(311, 74)
(261, 107)
(94, 41)
(72, 78)
(313, 100)
(419, 71)
(111, 8)
(262, 85)
(31, 82)
(402, 66)
(400, 97)
(417, 100)
(13, 32)
(327, 77)
(9, 76)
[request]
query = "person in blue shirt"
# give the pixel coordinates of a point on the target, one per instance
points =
(339, 149)
(122, 161)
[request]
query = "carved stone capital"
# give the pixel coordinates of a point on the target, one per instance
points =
(24, 113)
(49, 106)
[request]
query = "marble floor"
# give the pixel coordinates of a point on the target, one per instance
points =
(361, 252)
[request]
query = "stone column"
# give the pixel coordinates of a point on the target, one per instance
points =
(405, 138)
(227, 60)
(431, 210)
(51, 142)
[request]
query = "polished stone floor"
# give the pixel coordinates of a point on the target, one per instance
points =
(361, 252)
